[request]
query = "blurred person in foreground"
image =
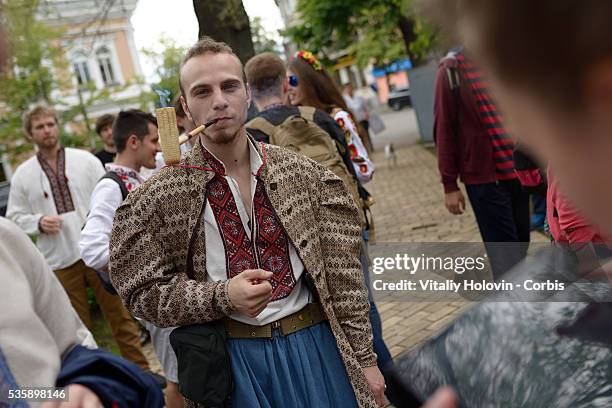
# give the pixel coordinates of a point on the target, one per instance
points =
(43, 343)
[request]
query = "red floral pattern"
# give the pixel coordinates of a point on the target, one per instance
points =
(270, 249)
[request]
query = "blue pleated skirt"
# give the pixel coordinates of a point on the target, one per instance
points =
(301, 370)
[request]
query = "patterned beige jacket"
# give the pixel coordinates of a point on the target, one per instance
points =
(158, 255)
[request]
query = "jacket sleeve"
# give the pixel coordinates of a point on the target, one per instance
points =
(445, 137)
(148, 276)
(334, 130)
(340, 237)
(19, 209)
(364, 168)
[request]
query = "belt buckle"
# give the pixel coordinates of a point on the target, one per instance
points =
(275, 324)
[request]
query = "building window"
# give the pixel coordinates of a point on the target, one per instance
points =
(105, 65)
(81, 70)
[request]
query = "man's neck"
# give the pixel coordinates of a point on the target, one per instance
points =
(49, 154)
(234, 155)
(266, 103)
(125, 160)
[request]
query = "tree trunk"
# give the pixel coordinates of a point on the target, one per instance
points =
(226, 21)
(406, 26)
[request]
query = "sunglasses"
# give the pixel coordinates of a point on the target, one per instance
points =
(293, 80)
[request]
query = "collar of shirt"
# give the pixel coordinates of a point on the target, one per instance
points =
(217, 165)
(130, 177)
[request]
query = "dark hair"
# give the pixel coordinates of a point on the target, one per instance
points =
(204, 46)
(544, 46)
(318, 88)
(104, 121)
(265, 74)
(131, 122)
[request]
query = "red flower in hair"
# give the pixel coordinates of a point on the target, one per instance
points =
(310, 59)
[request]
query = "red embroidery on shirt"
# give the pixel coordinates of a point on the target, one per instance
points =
(270, 250)
(58, 182)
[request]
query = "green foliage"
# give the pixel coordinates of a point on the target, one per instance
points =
(263, 40)
(40, 73)
(369, 29)
(35, 50)
(370, 48)
(168, 63)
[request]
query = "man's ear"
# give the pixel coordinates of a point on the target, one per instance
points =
(132, 142)
(185, 108)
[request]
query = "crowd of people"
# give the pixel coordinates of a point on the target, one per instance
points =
(247, 262)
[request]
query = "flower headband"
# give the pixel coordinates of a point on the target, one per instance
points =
(310, 59)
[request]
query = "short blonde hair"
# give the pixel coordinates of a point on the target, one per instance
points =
(36, 112)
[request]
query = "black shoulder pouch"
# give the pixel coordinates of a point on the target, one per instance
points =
(204, 371)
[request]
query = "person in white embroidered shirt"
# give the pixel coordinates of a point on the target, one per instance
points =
(137, 142)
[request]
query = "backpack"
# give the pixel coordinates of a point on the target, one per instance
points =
(104, 277)
(301, 134)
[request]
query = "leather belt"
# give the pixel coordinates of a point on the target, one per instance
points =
(310, 315)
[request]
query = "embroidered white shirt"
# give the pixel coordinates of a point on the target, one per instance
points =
(216, 257)
(105, 200)
(30, 198)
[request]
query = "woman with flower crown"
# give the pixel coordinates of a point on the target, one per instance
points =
(311, 85)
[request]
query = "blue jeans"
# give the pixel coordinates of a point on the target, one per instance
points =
(380, 348)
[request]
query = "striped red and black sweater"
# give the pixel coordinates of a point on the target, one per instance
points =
(471, 142)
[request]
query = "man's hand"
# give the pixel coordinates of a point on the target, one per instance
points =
(79, 397)
(250, 292)
(50, 224)
(455, 202)
(376, 382)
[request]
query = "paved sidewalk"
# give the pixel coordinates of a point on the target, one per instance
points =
(410, 208)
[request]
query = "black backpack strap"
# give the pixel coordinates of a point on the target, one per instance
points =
(115, 177)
